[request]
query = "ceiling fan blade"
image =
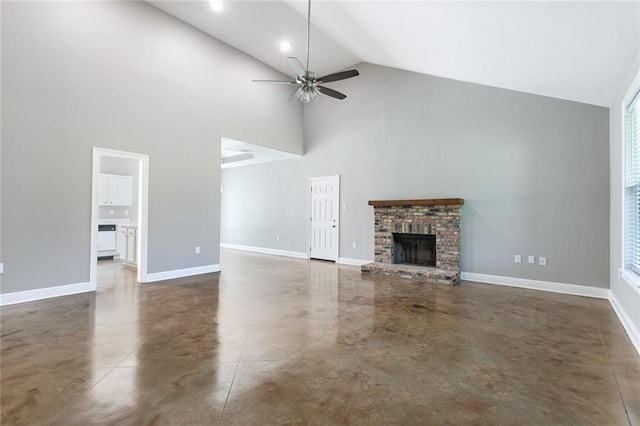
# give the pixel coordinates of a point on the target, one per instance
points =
(331, 92)
(338, 76)
(297, 66)
(275, 81)
(294, 95)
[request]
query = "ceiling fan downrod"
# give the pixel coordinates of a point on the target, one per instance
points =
(308, 31)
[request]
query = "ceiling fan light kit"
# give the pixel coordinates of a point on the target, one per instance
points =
(308, 81)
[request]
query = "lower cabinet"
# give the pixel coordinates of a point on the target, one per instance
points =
(122, 242)
(127, 239)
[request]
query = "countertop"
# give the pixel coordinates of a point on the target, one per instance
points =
(115, 221)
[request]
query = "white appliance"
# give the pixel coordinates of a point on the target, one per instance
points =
(106, 241)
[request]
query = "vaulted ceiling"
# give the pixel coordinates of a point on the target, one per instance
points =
(571, 50)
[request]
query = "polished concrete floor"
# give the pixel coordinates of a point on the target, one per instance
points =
(273, 340)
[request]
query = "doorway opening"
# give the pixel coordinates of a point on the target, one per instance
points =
(238, 198)
(119, 213)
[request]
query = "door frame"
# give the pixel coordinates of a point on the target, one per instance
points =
(309, 207)
(143, 211)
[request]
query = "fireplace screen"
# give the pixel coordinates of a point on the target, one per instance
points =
(416, 249)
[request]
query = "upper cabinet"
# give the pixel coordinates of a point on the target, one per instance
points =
(114, 190)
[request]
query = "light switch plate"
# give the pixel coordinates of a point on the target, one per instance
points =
(532, 259)
(517, 259)
(542, 261)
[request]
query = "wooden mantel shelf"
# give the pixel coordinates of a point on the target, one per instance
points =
(427, 202)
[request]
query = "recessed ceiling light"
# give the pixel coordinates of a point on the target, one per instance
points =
(216, 5)
(285, 46)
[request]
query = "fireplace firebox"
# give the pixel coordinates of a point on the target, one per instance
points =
(414, 249)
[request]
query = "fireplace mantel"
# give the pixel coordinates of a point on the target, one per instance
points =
(425, 202)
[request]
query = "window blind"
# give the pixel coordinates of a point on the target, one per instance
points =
(632, 186)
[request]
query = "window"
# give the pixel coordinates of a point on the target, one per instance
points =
(632, 185)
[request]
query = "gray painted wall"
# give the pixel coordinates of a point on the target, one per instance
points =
(1, 120)
(534, 173)
(126, 76)
(263, 202)
(122, 167)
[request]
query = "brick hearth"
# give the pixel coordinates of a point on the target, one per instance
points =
(440, 217)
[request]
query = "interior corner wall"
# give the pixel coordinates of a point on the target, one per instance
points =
(129, 77)
(625, 296)
(533, 171)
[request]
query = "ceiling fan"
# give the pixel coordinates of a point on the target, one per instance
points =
(309, 81)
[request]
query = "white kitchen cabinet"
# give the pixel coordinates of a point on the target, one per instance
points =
(103, 190)
(128, 238)
(122, 242)
(131, 245)
(114, 190)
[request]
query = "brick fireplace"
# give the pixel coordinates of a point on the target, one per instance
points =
(417, 239)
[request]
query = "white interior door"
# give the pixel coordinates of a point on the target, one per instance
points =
(324, 209)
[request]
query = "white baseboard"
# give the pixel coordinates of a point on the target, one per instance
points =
(627, 323)
(354, 262)
(296, 254)
(578, 290)
(44, 293)
(181, 273)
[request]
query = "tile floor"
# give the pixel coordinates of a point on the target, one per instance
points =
(273, 340)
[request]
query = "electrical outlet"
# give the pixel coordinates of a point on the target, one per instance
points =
(542, 261)
(532, 259)
(111, 212)
(197, 250)
(517, 258)
(277, 238)
(355, 245)
(238, 235)
(126, 212)
(344, 207)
